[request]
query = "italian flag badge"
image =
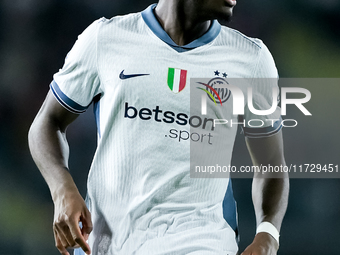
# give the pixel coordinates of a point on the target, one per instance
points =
(177, 79)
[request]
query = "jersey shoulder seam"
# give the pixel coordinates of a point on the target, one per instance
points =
(255, 41)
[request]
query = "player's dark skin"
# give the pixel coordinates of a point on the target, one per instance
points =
(184, 21)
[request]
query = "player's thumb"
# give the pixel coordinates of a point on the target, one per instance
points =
(86, 224)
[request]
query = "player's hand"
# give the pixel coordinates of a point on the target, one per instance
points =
(263, 244)
(69, 210)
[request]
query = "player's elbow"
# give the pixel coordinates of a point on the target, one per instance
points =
(36, 132)
(33, 134)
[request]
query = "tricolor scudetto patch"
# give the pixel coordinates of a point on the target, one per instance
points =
(177, 79)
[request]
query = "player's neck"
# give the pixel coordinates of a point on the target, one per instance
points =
(181, 23)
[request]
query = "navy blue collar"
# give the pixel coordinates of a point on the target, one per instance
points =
(152, 22)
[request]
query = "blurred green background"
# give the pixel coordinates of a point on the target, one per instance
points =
(35, 36)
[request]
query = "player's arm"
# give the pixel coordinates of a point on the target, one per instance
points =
(50, 151)
(270, 195)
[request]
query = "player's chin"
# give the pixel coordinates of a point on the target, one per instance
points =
(225, 14)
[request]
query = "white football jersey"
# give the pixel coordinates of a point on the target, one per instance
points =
(140, 193)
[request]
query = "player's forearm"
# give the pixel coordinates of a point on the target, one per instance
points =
(270, 198)
(50, 151)
(270, 190)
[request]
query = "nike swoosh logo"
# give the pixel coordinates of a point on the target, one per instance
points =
(123, 76)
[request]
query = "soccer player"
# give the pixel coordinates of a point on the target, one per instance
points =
(136, 70)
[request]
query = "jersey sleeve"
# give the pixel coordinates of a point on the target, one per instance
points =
(77, 83)
(265, 96)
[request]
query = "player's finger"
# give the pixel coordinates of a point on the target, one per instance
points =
(62, 238)
(65, 234)
(78, 237)
(59, 244)
(86, 224)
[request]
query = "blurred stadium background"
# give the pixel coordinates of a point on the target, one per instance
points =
(35, 36)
